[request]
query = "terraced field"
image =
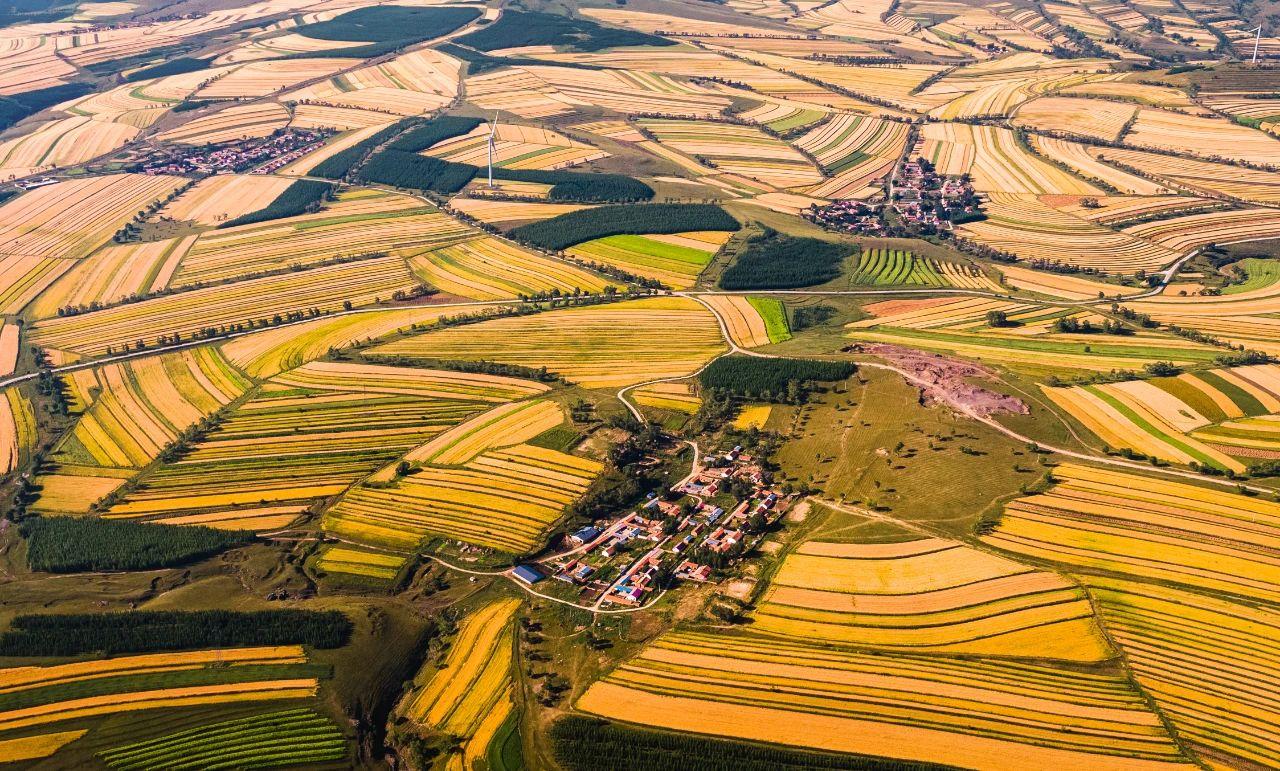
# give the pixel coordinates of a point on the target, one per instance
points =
(740, 150)
(1152, 529)
(676, 259)
(878, 267)
(1211, 417)
(470, 696)
(44, 695)
(927, 595)
(1030, 343)
(596, 346)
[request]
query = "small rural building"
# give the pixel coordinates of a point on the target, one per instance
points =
(528, 574)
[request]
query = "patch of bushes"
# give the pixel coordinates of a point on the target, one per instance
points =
(772, 260)
(301, 197)
(78, 544)
(401, 169)
(178, 66)
(528, 28)
(769, 379)
(145, 631)
(585, 744)
(584, 225)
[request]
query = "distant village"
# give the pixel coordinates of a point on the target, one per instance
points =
(922, 201)
(261, 155)
(703, 524)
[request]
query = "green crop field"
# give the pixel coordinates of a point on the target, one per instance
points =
(879, 267)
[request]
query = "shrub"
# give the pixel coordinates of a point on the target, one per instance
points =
(776, 261)
(144, 631)
(300, 197)
(75, 544)
(587, 224)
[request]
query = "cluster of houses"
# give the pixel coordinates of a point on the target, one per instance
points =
(931, 203)
(264, 154)
(848, 216)
(674, 539)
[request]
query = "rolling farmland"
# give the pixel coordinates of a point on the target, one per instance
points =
(887, 385)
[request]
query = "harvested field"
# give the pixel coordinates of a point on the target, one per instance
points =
(1153, 529)
(939, 596)
(969, 713)
(113, 273)
(596, 346)
(262, 78)
(677, 397)
(62, 143)
(224, 197)
(733, 149)
(675, 259)
(1203, 137)
(516, 147)
(489, 268)
(324, 288)
(1083, 117)
(752, 321)
(471, 695)
(996, 160)
(238, 122)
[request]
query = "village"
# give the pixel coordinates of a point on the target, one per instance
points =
(696, 529)
(263, 155)
(921, 202)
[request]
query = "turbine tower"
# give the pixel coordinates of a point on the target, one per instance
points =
(493, 130)
(1256, 41)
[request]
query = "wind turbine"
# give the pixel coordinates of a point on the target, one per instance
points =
(1256, 41)
(493, 130)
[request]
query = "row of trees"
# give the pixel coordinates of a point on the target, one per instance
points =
(77, 544)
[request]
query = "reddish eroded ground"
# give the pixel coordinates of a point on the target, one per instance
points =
(948, 379)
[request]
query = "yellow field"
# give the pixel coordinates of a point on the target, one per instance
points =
(113, 273)
(959, 712)
(678, 397)
(470, 696)
(675, 259)
(937, 596)
(998, 163)
(224, 197)
(489, 268)
(495, 212)
(1206, 137)
(1033, 228)
(1197, 176)
(1084, 117)
(271, 351)
(503, 426)
(358, 223)
(141, 405)
(1120, 522)
(17, 429)
(597, 346)
(265, 77)
(516, 147)
(120, 696)
(329, 424)
(1209, 663)
(754, 416)
(62, 143)
(324, 288)
(39, 746)
(357, 562)
(1081, 160)
(230, 124)
(741, 150)
(502, 498)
